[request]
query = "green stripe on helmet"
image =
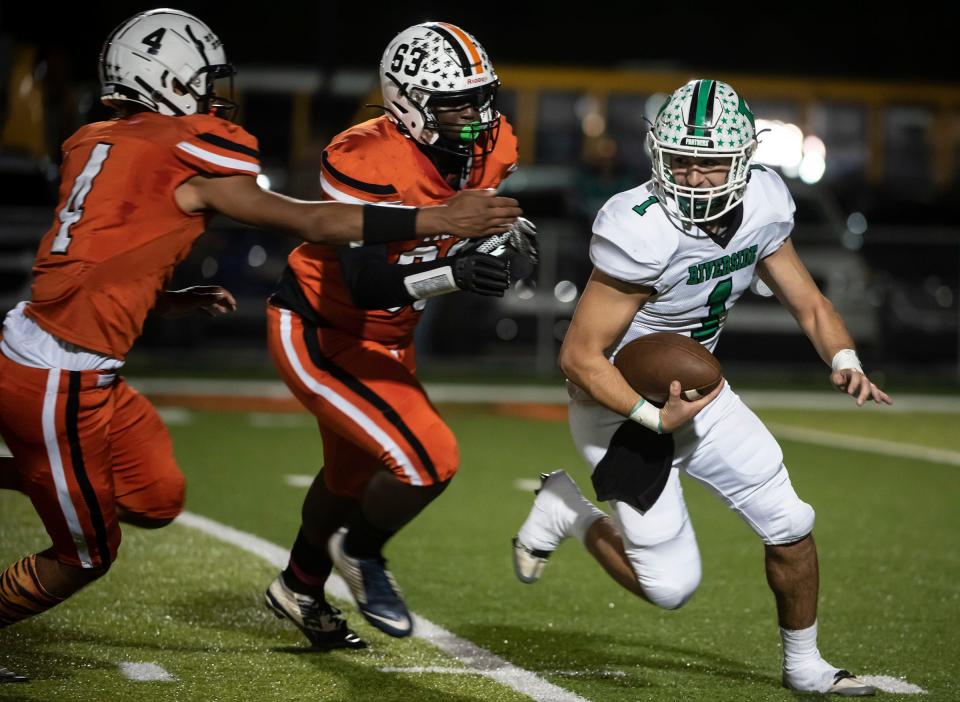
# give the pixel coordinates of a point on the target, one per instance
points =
(745, 111)
(703, 103)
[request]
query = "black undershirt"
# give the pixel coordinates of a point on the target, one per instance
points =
(730, 225)
(375, 283)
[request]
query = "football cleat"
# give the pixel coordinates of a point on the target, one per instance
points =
(319, 621)
(373, 588)
(529, 562)
(8, 676)
(844, 684)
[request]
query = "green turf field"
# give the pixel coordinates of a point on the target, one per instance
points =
(886, 527)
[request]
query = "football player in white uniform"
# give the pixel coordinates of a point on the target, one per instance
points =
(675, 254)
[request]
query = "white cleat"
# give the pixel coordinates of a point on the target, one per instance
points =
(546, 526)
(834, 682)
(528, 564)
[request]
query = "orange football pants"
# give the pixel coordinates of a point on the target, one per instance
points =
(372, 411)
(85, 443)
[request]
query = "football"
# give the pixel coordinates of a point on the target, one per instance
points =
(651, 362)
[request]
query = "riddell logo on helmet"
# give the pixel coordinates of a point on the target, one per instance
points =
(471, 81)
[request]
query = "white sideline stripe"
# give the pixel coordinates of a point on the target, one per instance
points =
(190, 387)
(298, 481)
(891, 684)
(547, 394)
(354, 413)
(225, 161)
(469, 654)
(51, 441)
(176, 416)
(144, 672)
(859, 443)
(279, 420)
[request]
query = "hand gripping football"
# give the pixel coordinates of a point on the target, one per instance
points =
(651, 362)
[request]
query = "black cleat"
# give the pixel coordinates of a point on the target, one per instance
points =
(374, 589)
(8, 676)
(319, 621)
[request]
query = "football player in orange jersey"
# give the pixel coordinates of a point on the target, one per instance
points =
(136, 192)
(341, 325)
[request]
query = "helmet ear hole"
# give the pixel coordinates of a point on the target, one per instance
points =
(178, 87)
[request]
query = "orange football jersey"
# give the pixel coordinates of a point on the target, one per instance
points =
(374, 162)
(118, 233)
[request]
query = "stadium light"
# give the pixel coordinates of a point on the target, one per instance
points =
(784, 146)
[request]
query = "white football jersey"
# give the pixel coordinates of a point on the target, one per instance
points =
(697, 280)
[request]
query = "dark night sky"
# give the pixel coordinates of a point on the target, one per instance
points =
(795, 39)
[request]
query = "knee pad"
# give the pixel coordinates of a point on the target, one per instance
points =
(669, 572)
(169, 500)
(776, 513)
(444, 452)
(157, 506)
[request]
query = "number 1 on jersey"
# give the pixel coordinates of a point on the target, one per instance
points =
(72, 209)
(716, 306)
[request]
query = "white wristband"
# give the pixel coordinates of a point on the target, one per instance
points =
(844, 359)
(646, 414)
(436, 281)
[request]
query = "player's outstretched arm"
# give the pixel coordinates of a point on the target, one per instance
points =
(210, 299)
(470, 214)
(473, 213)
(793, 285)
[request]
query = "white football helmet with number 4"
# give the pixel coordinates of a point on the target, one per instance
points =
(703, 119)
(167, 61)
(437, 64)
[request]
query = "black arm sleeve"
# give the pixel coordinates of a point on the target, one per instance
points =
(373, 282)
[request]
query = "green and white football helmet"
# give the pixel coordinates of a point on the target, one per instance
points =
(703, 119)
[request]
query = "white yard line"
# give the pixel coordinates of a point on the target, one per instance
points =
(144, 672)
(175, 416)
(298, 481)
(891, 684)
(475, 658)
(860, 443)
(433, 669)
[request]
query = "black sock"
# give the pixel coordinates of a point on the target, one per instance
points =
(308, 569)
(388, 505)
(364, 540)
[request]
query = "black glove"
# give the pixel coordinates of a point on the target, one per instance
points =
(481, 273)
(518, 247)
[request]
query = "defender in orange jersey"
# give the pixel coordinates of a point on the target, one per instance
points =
(136, 192)
(341, 325)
